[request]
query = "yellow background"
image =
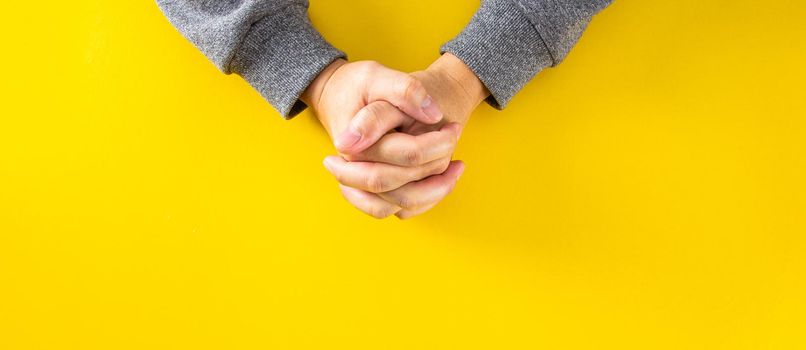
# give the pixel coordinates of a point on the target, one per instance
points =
(648, 193)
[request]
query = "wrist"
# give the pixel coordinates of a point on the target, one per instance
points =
(461, 79)
(313, 94)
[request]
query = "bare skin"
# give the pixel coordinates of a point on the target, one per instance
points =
(395, 158)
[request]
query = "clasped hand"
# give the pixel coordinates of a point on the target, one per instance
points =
(395, 132)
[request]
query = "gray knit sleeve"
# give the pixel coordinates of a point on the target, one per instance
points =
(509, 41)
(270, 43)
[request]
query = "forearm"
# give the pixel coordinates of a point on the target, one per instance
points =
(509, 41)
(271, 43)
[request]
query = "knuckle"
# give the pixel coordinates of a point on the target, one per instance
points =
(410, 87)
(412, 156)
(369, 118)
(435, 167)
(366, 68)
(408, 202)
(404, 215)
(442, 165)
(453, 139)
(350, 157)
(447, 138)
(370, 64)
(378, 212)
(339, 176)
(375, 183)
(451, 148)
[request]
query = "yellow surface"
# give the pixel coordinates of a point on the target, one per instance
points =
(647, 194)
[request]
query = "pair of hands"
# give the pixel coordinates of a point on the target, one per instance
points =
(395, 132)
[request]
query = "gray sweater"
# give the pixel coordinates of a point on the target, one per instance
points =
(272, 44)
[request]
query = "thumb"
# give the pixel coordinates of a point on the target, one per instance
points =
(404, 92)
(368, 126)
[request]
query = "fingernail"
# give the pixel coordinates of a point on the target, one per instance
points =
(459, 128)
(461, 170)
(328, 162)
(431, 109)
(347, 139)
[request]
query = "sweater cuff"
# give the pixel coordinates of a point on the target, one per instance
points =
(502, 47)
(281, 55)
